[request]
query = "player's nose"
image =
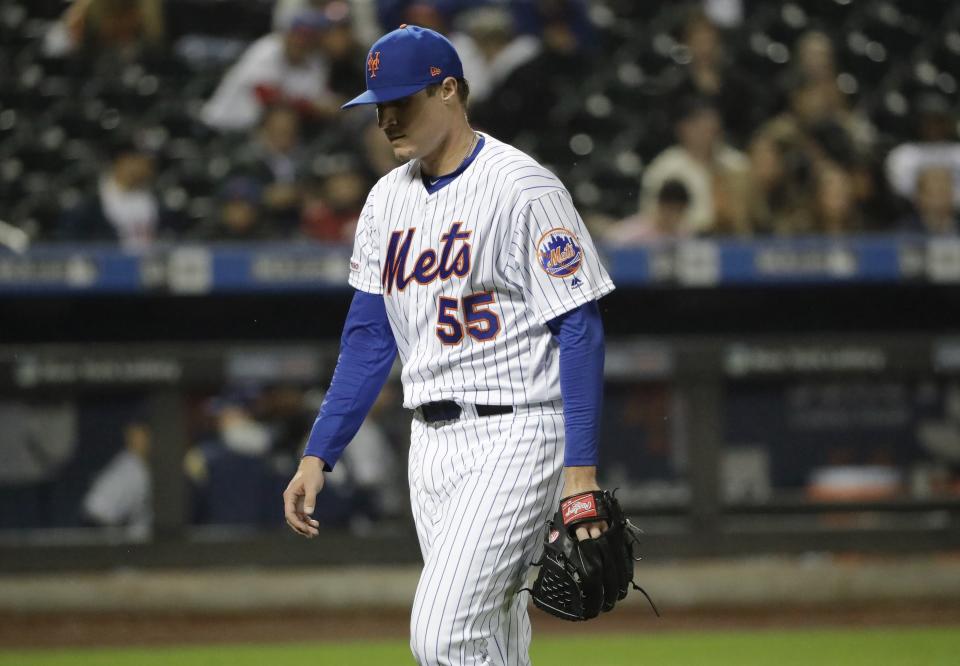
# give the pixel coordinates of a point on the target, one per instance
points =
(386, 115)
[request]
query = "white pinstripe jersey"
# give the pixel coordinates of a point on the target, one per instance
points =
(471, 273)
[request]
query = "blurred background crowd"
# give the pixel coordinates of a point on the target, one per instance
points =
(142, 122)
(133, 121)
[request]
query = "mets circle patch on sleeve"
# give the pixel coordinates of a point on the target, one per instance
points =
(559, 253)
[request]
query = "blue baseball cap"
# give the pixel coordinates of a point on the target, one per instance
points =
(406, 61)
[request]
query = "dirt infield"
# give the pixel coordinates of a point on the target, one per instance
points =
(259, 605)
(115, 629)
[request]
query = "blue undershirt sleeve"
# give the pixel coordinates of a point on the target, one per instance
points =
(367, 351)
(579, 333)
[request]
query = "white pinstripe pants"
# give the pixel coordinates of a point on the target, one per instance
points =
(481, 489)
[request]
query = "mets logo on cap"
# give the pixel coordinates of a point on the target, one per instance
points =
(559, 253)
(373, 63)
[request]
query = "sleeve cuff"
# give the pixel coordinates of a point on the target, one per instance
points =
(369, 286)
(578, 299)
(580, 462)
(327, 464)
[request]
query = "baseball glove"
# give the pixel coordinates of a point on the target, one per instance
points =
(579, 579)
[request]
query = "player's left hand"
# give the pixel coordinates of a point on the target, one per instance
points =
(580, 578)
(577, 480)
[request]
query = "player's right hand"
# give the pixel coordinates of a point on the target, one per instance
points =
(300, 497)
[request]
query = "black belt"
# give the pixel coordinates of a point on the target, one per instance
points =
(447, 410)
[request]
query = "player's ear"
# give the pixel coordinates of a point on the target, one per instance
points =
(448, 90)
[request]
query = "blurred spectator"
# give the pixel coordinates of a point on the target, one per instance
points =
(818, 121)
(287, 410)
(779, 199)
(490, 49)
(813, 65)
(700, 160)
(120, 495)
(835, 203)
(710, 74)
(935, 205)
(556, 20)
(122, 28)
(729, 190)
(284, 11)
(338, 42)
(333, 204)
(429, 14)
(531, 93)
(277, 68)
(820, 127)
(345, 56)
(667, 220)
(937, 145)
(233, 474)
(433, 14)
(814, 57)
(819, 108)
(275, 159)
(125, 207)
(36, 442)
(363, 13)
(239, 216)
(229, 469)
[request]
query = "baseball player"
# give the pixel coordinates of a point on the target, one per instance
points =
(472, 263)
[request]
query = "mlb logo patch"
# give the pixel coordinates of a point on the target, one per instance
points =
(559, 253)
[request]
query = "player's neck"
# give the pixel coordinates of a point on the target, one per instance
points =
(451, 152)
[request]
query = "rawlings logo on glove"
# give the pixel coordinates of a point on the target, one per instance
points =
(578, 508)
(579, 579)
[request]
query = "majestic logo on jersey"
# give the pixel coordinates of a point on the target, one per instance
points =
(578, 507)
(373, 64)
(427, 267)
(559, 252)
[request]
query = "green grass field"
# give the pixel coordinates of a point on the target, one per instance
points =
(871, 647)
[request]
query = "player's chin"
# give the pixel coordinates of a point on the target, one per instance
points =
(403, 151)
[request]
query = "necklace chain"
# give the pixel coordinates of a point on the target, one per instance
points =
(473, 144)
